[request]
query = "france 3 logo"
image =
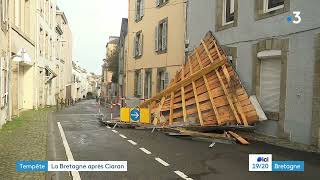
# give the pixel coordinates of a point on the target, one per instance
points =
(260, 162)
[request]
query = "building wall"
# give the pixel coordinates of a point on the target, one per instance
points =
(246, 35)
(22, 36)
(173, 58)
(46, 20)
(4, 56)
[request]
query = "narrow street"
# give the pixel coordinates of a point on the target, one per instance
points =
(157, 156)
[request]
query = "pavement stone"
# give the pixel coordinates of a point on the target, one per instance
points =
(23, 139)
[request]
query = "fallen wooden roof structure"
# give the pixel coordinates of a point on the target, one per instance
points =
(206, 92)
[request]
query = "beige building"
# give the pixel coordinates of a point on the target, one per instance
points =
(108, 89)
(46, 45)
(63, 57)
(23, 42)
(156, 45)
(4, 62)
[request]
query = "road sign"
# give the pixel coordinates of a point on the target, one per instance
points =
(135, 115)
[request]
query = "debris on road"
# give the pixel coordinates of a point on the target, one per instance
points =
(212, 144)
(205, 96)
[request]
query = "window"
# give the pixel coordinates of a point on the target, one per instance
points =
(268, 8)
(46, 46)
(228, 12)
(41, 7)
(4, 65)
(17, 11)
(138, 44)
(41, 41)
(138, 84)
(161, 3)
(161, 36)
(148, 84)
(3, 14)
(163, 79)
(272, 5)
(139, 9)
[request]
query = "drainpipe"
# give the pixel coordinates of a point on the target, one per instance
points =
(10, 65)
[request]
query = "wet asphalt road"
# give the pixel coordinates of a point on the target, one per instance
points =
(89, 140)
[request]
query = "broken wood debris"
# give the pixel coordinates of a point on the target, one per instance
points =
(206, 92)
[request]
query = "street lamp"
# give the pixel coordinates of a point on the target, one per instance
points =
(21, 56)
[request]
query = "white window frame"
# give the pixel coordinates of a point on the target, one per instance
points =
(161, 35)
(224, 12)
(267, 10)
(137, 44)
(139, 11)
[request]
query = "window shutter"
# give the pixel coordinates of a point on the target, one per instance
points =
(141, 44)
(135, 84)
(158, 81)
(156, 39)
(139, 83)
(134, 45)
(136, 10)
(141, 8)
(166, 79)
(164, 35)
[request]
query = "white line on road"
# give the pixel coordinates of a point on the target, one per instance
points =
(123, 136)
(162, 162)
(75, 174)
(114, 131)
(145, 150)
(182, 175)
(132, 142)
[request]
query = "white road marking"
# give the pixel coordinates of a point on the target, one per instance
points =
(132, 142)
(114, 131)
(75, 174)
(145, 150)
(108, 127)
(123, 136)
(182, 175)
(162, 162)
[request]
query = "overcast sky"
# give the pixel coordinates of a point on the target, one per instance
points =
(92, 22)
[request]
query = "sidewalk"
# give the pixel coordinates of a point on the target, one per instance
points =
(24, 138)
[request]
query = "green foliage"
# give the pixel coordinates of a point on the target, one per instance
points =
(113, 64)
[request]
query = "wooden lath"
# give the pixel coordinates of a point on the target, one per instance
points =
(207, 91)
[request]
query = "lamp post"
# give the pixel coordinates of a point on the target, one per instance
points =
(21, 56)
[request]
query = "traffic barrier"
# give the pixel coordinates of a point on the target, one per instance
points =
(135, 115)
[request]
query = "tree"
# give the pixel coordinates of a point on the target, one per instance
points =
(113, 64)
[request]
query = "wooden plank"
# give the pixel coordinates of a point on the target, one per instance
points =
(239, 138)
(171, 108)
(228, 98)
(196, 98)
(209, 93)
(183, 98)
(221, 81)
(185, 82)
(157, 113)
(200, 134)
(226, 73)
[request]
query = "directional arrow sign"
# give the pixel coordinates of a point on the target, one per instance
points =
(135, 115)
